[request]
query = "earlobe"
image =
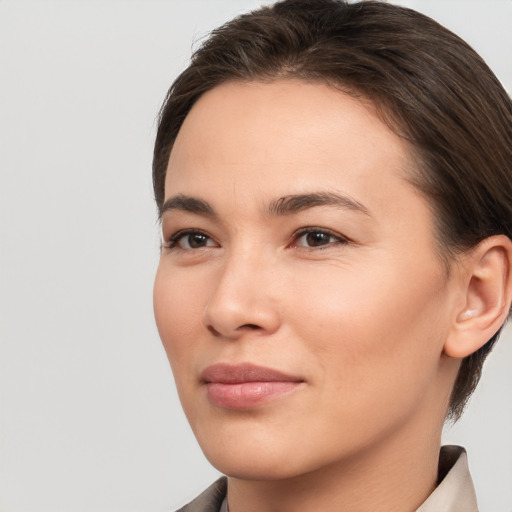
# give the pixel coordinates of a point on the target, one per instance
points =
(487, 296)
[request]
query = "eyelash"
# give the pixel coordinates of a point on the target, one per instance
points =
(174, 240)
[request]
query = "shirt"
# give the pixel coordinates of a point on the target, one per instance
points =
(454, 493)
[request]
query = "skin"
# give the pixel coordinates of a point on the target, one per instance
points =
(361, 316)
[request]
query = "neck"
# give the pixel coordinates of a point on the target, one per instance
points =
(398, 474)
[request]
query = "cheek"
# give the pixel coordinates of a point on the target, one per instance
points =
(176, 315)
(371, 332)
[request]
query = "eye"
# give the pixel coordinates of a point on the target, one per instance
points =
(189, 240)
(316, 237)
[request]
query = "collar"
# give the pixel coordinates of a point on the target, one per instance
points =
(455, 492)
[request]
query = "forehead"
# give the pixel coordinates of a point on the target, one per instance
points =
(277, 117)
(284, 137)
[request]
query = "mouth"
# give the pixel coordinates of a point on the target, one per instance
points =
(245, 386)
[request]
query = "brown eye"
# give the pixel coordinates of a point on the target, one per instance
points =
(189, 240)
(311, 238)
(316, 239)
(194, 241)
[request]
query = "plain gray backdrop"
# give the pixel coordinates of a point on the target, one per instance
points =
(89, 417)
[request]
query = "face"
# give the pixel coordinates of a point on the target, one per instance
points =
(299, 295)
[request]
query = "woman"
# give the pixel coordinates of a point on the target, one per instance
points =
(334, 187)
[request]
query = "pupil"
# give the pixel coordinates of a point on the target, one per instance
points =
(197, 240)
(315, 239)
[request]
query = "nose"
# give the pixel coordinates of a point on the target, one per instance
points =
(243, 299)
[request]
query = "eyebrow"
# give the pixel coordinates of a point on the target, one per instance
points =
(188, 204)
(296, 203)
(285, 205)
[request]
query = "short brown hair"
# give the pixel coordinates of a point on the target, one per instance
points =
(428, 84)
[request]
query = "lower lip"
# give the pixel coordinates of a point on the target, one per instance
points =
(246, 395)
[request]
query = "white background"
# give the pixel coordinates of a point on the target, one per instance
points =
(89, 416)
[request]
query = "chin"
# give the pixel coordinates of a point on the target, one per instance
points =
(252, 466)
(260, 454)
(250, 458)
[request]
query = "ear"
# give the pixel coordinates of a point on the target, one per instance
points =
(487, 294)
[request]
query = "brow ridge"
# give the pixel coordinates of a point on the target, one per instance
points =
(285, 205)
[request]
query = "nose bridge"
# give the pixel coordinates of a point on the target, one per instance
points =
(242, 298)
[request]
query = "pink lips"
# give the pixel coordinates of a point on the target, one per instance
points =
(245, 386)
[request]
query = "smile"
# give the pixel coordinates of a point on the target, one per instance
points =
(246, 386)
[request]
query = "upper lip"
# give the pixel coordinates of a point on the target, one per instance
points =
(244, 372)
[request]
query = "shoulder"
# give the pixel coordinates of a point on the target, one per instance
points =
(209, 500)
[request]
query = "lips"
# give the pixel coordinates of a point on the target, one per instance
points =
(245, 386)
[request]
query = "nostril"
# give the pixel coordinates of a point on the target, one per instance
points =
(213, 331)
(244, 327)
(249, 327)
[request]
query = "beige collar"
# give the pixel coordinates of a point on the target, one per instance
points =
(455, 493)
